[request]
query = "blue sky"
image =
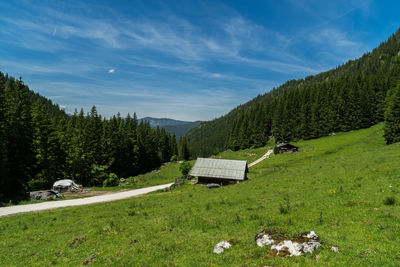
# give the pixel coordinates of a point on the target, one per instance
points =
(188, 60)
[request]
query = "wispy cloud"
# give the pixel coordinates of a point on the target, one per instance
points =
(332, 37)
(171, 36)
(165, 60)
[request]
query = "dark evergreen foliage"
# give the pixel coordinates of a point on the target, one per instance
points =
(392, 116)
(183, 150)
(3, 151)
(349, 97)
(40, 143)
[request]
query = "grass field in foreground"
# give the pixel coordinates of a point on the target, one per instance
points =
(336, 187)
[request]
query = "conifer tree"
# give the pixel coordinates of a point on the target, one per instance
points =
(50, 158)
(173, 144)
(392, 116)
(20, 154)
(93, 133)
(3, 148)
(183, 150)
(78, 156)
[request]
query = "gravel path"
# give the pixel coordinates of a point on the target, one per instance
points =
(266, 155)
(80, 201)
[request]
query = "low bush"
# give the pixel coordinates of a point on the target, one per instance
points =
(112, 180)
(39, 183)
(99, 175)
(185, 168)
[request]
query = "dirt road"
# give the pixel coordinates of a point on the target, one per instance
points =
(265, 156)
(80, 201)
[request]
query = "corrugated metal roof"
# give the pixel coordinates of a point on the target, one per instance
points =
(219, 168)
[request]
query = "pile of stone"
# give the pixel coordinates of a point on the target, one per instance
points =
(44, 195)
(305, 243)
(280, 245)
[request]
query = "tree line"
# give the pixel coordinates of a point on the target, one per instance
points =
(40, 143)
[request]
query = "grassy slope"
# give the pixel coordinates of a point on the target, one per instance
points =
(344, 177)
(166, 174)
(251, 154)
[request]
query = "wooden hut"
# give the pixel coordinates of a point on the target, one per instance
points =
(219, 171)
(286, 148)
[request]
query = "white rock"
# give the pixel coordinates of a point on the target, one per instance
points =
(296, 249)
(309, 247)
(65, 185)
(293, 247)
(312, 235)
(264, 240)
(335, 249)
(219, 248)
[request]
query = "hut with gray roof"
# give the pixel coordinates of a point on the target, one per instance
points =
(219, 171)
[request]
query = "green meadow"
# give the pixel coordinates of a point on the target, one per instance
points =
(344, 187)
(164, 175)
(251, 154)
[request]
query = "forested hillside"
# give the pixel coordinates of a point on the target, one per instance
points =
(209, 137)
(40, 143)
(351, 96)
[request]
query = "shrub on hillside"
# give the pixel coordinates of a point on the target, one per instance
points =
(99, 175)
(112, 180)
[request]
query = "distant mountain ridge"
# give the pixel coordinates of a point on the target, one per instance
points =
(154, 122)
(177, 127)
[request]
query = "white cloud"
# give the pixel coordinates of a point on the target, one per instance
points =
(332, 37)
(215, 75)
(171, 36)
(335, 45)
(158, 46)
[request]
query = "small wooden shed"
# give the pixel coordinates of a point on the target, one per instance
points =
(284, 147)
(219, 171)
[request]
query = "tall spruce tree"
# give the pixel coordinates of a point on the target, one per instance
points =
(3, 148)
(50, 158)
(19, 136)
(93, 133)
(392, 116)
(183, 150)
